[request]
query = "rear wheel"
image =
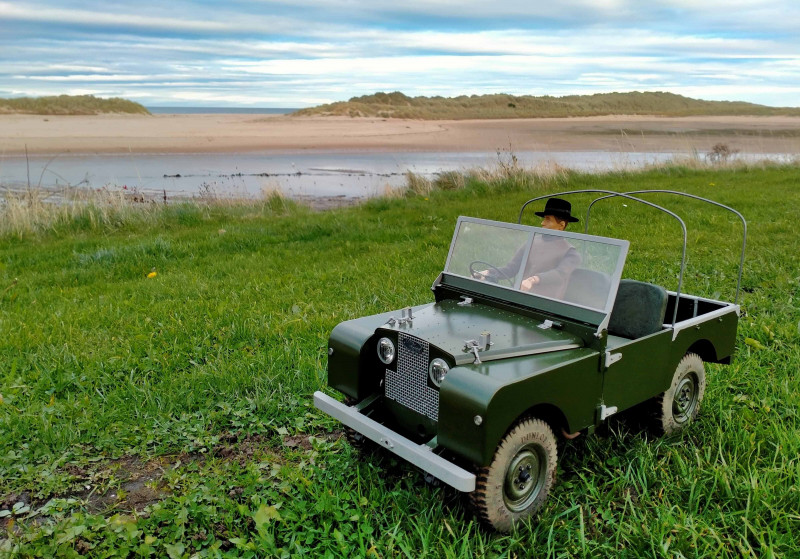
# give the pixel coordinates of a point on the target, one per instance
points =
(519, 479)
(679, 405)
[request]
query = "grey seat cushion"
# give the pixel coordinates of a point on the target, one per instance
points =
(638, 309)
(588, 288)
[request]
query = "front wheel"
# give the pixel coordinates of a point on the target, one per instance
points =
(359, 442)
(679, 405)
(519, 479)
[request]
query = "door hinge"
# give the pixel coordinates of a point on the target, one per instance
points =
(612, 358)
(606, 412)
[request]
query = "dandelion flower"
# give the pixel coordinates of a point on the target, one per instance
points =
(152, 274)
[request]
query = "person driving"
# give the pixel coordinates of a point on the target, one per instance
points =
(551, 259)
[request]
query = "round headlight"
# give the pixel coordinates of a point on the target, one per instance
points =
(437, 370)
(385, 350)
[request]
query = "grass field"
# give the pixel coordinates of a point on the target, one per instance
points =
(156, 372)
(399, 105)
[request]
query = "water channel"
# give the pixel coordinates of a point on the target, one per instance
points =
(301, 174)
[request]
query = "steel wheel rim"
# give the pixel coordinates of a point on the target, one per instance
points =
(685, 400)
(524, 478)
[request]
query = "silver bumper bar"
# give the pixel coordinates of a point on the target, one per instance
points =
(420, 455)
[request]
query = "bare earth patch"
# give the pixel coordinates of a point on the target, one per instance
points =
(130, 484)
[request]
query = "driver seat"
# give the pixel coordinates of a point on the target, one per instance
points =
(588, 288)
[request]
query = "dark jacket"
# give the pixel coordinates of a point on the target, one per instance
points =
(552, 258)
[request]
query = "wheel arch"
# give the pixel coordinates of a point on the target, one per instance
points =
(549, 413)
(705, 349)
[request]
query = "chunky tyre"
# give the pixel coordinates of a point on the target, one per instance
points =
(358, 441)
(678, 407)
(519, 479)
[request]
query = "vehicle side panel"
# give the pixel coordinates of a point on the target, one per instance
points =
(643, 370)
(648, 364)
(714, 339)
(501, 392)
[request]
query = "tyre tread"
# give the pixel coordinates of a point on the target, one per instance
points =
(661, 406)
(495, 517)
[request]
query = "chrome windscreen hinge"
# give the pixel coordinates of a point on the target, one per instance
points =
(406, 316)
(606, 412)
(473, 347)
(612, 358)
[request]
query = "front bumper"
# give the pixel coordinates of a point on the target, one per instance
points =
(420, 455)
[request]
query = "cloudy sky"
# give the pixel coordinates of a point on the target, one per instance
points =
(295, 53)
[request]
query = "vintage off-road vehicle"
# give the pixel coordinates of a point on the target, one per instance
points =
(475, 387)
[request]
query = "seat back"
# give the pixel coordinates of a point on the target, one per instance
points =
(638, 309)
(588, 288)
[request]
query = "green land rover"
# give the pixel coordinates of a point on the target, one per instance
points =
(476, 387)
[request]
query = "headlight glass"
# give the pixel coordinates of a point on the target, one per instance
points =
(386, 350)
(437, 371)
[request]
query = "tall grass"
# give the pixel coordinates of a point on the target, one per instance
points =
(70, 105)
(156, 381)
(37, 211)
(398, 105)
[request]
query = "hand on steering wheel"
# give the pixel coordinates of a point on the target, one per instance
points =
(499, 275)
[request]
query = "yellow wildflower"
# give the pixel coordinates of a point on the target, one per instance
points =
(152, 274)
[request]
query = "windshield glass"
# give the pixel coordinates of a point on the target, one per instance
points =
(570, 267)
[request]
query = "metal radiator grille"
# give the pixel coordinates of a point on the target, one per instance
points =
(409, 385)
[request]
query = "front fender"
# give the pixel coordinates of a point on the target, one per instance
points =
(502, 391)
(351, 364)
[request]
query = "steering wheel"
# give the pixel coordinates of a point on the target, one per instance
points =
(499, 275)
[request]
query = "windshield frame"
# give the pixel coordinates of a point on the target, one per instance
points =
(595, 316)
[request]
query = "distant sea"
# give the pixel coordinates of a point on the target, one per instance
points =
(220, 110)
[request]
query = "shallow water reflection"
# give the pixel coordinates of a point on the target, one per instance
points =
(361, 174)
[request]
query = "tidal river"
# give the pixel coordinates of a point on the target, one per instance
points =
(314, 174)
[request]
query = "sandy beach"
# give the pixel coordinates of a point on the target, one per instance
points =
(226, 133)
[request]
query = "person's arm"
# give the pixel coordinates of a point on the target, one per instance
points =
(556, 276)
(511, 269)
(560, 274)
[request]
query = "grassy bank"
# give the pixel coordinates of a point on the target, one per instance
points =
(70, 105)
(398, 105)
(156, 378)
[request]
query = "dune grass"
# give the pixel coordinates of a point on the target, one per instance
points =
(70, 105)
(399, 105)
(156, 378)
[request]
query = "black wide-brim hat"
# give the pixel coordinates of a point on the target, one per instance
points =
(558, 208)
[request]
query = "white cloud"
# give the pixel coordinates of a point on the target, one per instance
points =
(88, 78)
(169, 18)
(277, 52)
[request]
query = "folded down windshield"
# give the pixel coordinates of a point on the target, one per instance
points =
(578, 269)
